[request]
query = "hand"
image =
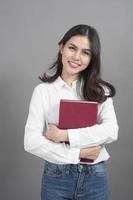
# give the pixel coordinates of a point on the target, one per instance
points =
(90, 152)
(55, 134)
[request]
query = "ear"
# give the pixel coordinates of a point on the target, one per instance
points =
(60, 48)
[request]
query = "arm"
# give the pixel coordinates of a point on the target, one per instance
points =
(57, 135)
(106, 131)
(36, 143)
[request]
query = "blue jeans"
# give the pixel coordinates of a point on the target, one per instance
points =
(75, 182)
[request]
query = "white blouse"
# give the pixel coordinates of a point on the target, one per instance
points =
(44, 109)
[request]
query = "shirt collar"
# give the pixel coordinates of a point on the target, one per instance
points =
(59, 83)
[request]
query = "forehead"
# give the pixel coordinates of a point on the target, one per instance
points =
(81, 42)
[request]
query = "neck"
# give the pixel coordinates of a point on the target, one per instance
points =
(69, 79)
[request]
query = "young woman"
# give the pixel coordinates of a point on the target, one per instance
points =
(76, 76)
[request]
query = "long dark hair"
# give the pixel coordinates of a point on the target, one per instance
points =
(93, 86)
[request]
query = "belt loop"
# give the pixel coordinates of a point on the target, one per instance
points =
(67, 169)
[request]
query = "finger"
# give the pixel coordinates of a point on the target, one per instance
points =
(97, 148)
(50, 126)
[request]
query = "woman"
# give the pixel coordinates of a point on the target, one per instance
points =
(76, 76)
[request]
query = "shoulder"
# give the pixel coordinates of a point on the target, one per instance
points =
(108, 100)
(42, 87)
(106, 90)
(38, 90)
(44, 90)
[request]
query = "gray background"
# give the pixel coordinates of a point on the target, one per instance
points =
(29, 33)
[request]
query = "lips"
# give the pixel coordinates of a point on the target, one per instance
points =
(73, 64)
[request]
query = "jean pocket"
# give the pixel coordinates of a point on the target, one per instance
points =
(54, 170)
(100, 169)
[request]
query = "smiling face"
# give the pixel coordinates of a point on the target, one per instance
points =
(76, 56)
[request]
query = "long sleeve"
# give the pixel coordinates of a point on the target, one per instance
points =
(106, 131)
(35, 141)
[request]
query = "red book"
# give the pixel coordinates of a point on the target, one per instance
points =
(77, 114)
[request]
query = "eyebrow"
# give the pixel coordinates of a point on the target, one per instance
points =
(77, 47)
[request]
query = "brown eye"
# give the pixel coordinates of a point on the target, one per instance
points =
(71, 48)
(87, 53)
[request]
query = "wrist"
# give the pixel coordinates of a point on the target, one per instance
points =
(64, 135)
(81, 153)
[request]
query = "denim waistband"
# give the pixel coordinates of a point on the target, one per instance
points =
(99, 167)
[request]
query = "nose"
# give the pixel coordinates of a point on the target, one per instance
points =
(77, 55)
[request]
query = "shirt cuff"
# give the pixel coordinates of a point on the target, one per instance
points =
(74, 155)
(73, 135)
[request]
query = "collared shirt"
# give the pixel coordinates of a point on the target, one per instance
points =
(44, 109)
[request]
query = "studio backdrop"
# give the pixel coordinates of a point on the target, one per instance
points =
(29, 34)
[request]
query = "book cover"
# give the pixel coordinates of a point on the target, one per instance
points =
(77, 114)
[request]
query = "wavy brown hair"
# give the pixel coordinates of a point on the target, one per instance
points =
(93, 85)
